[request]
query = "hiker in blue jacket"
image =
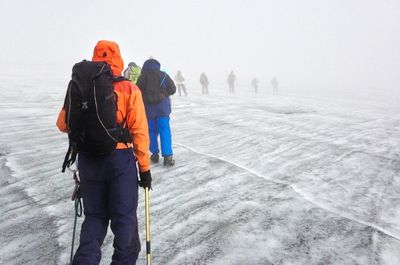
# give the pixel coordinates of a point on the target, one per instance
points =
(156, 87)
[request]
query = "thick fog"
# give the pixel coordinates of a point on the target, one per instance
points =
(313, 45)
(304, 176)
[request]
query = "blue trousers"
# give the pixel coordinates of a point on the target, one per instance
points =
(109, 188)
(160, 126)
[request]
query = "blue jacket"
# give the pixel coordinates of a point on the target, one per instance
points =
(156, 87)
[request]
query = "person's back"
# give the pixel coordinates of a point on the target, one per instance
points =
(128, 70)
(275, 85)
(132, 72)
(156, 87)
(203, 79)
(108, 182)
(204, 83)
(254, 84)
(231, 82)
(180, 82)
(179, 78)
(231, 78)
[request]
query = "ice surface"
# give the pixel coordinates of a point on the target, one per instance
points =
(259, 179)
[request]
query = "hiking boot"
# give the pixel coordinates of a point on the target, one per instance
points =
(154, 158)
(169, 161)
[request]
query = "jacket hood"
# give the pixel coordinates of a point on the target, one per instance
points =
(108, 51)
(132, 64)
(151, 64)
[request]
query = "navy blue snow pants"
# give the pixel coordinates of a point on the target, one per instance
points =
(109, 188)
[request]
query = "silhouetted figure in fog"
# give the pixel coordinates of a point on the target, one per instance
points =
(180, 82)
(204, 83)
(231, 82)
(275, 85)
(254, 84)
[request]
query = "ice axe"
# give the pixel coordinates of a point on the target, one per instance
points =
(76, 198)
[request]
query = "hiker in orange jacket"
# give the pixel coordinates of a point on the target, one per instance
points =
(109, 183)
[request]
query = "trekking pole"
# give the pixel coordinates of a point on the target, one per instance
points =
(148, 249)
(76, 197)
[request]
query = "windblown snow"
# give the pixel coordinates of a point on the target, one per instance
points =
(259, 179)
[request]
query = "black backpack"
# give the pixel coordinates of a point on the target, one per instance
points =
(155, 85)
(91, 107)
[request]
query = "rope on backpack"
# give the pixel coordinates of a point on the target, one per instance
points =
(98, 116)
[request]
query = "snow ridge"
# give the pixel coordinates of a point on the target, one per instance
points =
(300, 192)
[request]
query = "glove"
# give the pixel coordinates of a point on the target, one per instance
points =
(145, 179)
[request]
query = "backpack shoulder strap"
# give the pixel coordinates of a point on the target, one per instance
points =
(163, 79)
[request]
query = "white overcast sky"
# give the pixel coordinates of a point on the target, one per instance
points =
(333, 43)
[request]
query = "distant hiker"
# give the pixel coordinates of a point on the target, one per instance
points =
(275, 85)
(102, 113)
(156, 87)
(132, 72)
(254, 84)
(204, 83)
(231, 82)
(180, 82)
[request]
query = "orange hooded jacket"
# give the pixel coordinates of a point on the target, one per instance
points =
(130, 104)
